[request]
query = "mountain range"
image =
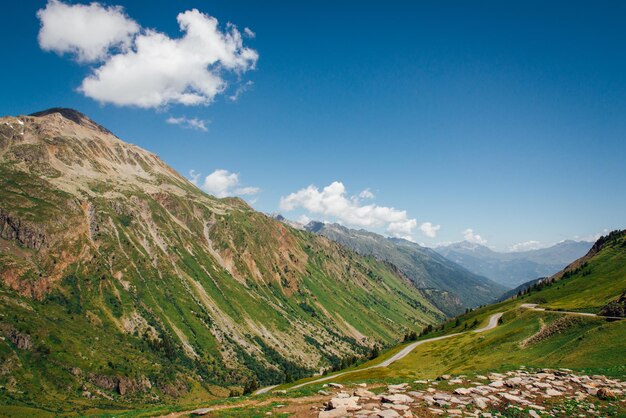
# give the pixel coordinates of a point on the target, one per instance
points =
(451, 287)
(512, 269)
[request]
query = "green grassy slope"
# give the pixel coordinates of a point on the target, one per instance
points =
(527, 337)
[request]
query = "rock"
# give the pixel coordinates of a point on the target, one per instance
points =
(398, 407)
(455, 382)
(336, 385)
(442, 396)
(362, 385)
(552, 392)
(444, 377)
(343, 395)
(533, 413)
(201, 411)
(350, 403)
(606, 393)
(480, 402)
(364, 393)
(496, 384)
(323, 392)
(387, 413)
(511, 398)
(397, 398)
(397, 388)
(334, 413)
(462, 391)
(455, 411)
(513, 382)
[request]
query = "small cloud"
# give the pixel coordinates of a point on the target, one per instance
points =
(240, 90)
(303, 219)
(187, 123)
(526, 246)
(249, 33)
(470, 236)
(366, 194)
(429, 229)
(222, 183)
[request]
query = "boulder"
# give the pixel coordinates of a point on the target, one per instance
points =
(398, 398)
(350, 403)
(462, 391)
(336, 385)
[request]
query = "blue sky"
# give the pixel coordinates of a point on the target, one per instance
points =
(506, 119)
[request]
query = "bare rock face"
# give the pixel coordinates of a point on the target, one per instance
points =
(27, 235)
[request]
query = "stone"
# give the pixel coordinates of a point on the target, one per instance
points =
(364, 393)
(533, 413)
(401, 386)
(444, 377)
(336, 385)
(513, 382)
(480, 402)
(201, 411)
(350, 403)
(497, 384)
(511, 398)
(552, 392)
(342, 395)
(334, 413)
(462, 391)
(397, 398)
(387, 413)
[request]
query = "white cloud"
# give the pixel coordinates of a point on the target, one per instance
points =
(334, 201)
(240, 90)
(87, 31)
(366, 194)
(470, 236)
(249, 33)
(526, 246)
(222, 183)
(149, 69)
(429, 229)
(188, 123)
(303, 219)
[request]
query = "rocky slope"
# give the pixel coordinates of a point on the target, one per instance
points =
(514, 268)
(451, 287)
(122, 282)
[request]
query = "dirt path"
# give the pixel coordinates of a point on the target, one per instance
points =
(493, 322)
(533, 306)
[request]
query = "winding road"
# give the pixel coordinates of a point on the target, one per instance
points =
(533, 306)
(493, 322)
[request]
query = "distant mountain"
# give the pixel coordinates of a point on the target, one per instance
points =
(450, 287)
(514, 268)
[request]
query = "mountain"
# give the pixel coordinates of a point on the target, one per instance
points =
(451, 287)
(121, 283)
(514, 268)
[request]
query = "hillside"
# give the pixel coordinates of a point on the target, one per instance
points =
(512, 269)
(509, 359)
(536, 338)
(451, 287)
(122, 283)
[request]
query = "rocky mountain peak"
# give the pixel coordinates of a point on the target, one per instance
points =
(73, 115)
